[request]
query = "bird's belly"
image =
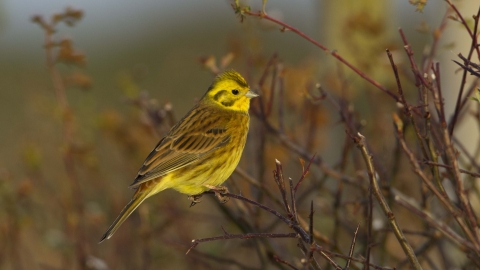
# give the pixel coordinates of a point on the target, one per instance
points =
(193, 179)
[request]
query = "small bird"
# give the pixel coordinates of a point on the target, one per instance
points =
(201, 151)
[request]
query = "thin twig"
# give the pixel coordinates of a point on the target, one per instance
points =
(322, 238)
(421, 249)
(333, 254)
(244, 11)
(415, 164)
(284, 262)
(220, 259)
(419, 78)
(470, 158)
(300, 231)
(360, 141)
(467, 68)
(280, 181)
(305, 155)
(474, 46)
(293, 201)
(450, 167)
(330, 260)
(227, 236)
(435, 223)
(460, 190)
(352, 247)
(310, 231)
(407, 107)
(304, 173)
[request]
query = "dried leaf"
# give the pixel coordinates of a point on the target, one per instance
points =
(419, 4)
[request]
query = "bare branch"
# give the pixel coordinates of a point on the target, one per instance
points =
(352, 247)
(360, 141)
(227, 236)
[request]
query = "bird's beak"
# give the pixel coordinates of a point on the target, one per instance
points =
(251, 94)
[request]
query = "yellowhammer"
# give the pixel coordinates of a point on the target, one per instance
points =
(201, 151)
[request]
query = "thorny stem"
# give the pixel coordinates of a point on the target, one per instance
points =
(422, 83)
(419, 78)
(262, 248)
(280, 181)
(429, 140)
(220, 259)
(430, 219)
(284, 262)
(474, 46)
(304, 174)
(360, 141)
(420, 250)
(300, 231)
(406, 105)
(456, 214)
(330, 260)
(305, 155)
(286, 27)
(310, 231)
(227, 236)
(302, 222)
(470, 158)
(451, 157)
(293, 201)
(435, 164)
(333, 254)
(369, 241)
(307, 244)
(408, 113)
(473, 35)
(352, 247)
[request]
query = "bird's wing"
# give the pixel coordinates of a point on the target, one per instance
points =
(188, 142)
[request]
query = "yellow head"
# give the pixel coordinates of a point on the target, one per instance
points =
(230, 91)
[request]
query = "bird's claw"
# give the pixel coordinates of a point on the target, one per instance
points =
(220, 192)
(195, 199)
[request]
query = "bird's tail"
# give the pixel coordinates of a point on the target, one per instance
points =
(137, 199)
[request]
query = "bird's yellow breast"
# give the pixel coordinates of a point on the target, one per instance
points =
(214, 168)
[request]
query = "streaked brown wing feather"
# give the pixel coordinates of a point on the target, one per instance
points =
(187, 143)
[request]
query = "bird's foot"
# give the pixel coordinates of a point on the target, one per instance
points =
(220, 192)
(195, 199)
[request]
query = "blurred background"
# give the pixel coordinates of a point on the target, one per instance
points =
(143, 55)
(161, 40)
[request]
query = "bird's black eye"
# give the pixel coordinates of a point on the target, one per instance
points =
(235, 91)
